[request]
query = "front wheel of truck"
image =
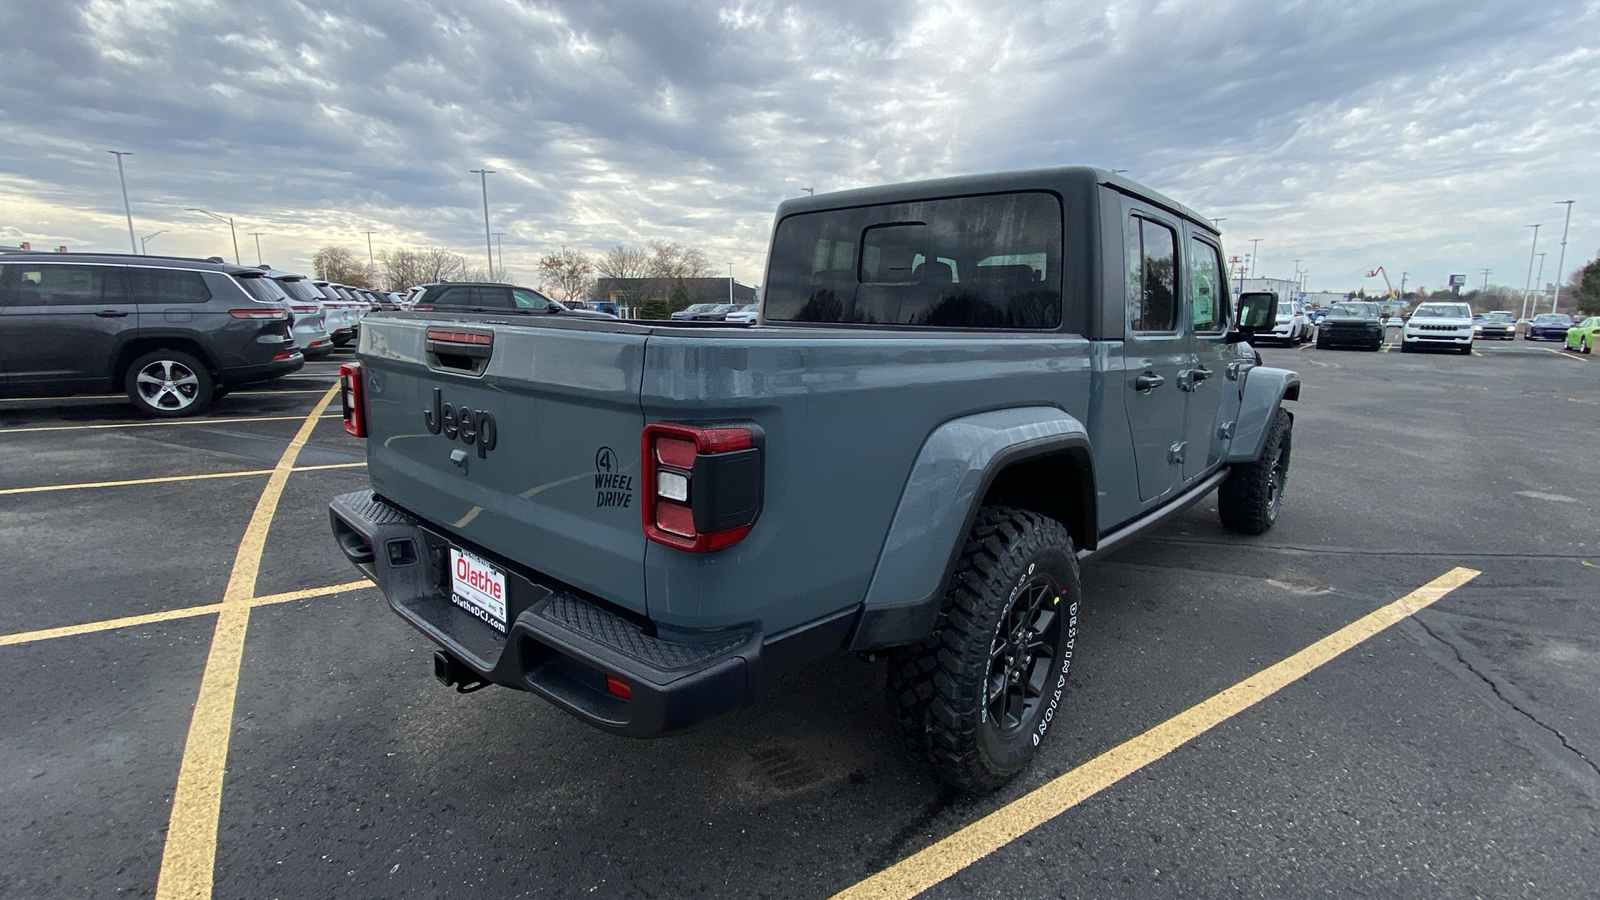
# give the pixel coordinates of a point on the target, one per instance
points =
(980, 697)
(1248, 502)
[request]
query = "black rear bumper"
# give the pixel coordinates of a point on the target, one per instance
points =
(562, 645)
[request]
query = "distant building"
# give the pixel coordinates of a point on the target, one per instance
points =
(632, 292)
(1283, 287)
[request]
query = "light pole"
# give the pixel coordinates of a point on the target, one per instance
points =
(810, 191)
(372, 268)
(1486, 277)
(1255, 244)
(1536, 279)
(119, 154)
(1403, 284)
(500, 253)
(730, 282)
(231, 229)
(1527, 286)
(257, 235)
(488, 251)
(1561, 258)
(146, 239)
(1217, 222)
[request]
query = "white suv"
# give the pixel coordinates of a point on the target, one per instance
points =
(1293, 325)
(1438, 325)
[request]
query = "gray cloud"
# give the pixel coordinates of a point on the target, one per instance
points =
(1346, 134)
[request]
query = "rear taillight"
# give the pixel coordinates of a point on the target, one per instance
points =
(701, 484)
(264, 313)
(353, 395)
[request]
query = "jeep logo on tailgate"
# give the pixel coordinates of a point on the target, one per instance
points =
(468, 425)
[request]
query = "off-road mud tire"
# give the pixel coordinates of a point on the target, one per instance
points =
(1249, 500)
(1015, 587)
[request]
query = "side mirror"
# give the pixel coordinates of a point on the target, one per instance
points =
(1257, 309)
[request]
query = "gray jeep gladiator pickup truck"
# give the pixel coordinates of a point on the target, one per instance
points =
(958, 390)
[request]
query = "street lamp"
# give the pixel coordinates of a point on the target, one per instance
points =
(257, 235)
(143, 251)
(1536, 280)
(488, 251)
(1255, 244)
(231, 229)
(1486, 278)
(500, 253)
(1561, 258)
(730, 282)
(119, 154)
(1527, 286)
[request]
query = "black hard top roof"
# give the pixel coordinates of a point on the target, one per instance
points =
(1074, 178)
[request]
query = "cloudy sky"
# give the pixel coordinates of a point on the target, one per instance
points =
(1422, 135)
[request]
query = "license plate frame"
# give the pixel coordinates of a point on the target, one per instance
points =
(479, 587)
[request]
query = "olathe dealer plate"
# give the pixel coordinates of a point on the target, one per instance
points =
(478, 587)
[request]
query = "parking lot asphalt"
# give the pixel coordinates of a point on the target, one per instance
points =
(1453, 753)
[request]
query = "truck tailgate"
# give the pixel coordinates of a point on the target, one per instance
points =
(525, 443)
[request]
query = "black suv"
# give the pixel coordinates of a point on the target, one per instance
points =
(173, 333)
(494, 297)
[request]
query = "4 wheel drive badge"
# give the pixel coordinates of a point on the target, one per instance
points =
(470, 427)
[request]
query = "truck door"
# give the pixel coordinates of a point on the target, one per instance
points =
(1155, 350)
(1207, 316)
(60, 324)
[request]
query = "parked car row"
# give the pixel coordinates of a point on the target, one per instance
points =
(173, 333)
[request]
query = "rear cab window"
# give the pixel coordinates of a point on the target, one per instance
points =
(964, 262)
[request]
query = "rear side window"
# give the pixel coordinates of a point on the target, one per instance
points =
(264, 289)
(963, 262)
(465, 295)
(300, 289)
(169, 286)
(1152, 276)
(51, 285)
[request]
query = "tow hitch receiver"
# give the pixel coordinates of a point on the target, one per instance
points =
(452, 673)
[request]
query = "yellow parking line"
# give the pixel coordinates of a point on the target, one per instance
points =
(189, 858)
(1562, 353)
(196, 421)
(82, 397)
(168, 615)
(926, 868)
(311, 593)
(165, 479)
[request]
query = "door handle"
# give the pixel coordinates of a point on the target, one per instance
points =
(1148, 382)
(111, 313)
(1201, 373)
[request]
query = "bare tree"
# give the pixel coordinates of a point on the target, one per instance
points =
(623, 262)
(566, 275)
(672, 261)
(339, 264)
(406, 267)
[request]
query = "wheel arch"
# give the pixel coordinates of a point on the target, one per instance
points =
(139, 345)
(1033, 458)
(1262, 391)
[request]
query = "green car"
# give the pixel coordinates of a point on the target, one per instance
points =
(1581, 337)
